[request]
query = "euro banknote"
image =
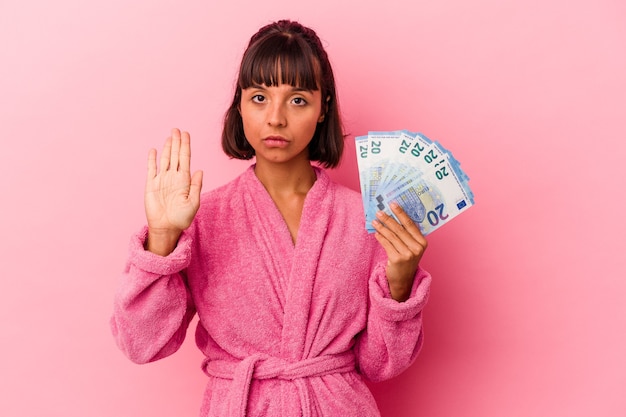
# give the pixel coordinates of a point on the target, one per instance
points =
(419, 174)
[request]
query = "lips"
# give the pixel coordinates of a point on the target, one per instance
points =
(275, 142)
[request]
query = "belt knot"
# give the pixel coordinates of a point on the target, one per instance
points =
(261, 366)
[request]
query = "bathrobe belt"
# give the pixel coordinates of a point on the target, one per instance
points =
(260, 366)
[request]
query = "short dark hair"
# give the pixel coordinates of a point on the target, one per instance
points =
(287, 52)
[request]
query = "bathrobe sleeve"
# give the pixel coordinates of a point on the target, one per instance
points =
(153, 307)
(393, 336)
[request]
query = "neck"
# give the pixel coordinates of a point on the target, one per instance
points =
(285, 179)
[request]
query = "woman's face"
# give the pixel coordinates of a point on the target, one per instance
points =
(279, 121)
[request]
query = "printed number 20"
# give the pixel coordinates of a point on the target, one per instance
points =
(434, 216)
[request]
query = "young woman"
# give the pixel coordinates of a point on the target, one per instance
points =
(297, 304)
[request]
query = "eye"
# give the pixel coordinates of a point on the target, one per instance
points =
(258, 98)
(299, 101)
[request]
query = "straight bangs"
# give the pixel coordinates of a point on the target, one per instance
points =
(280, 59)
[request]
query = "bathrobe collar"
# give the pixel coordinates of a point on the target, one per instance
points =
(295, 266)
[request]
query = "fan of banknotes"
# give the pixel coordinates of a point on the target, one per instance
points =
(419, 174)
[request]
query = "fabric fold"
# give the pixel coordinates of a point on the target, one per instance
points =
(389, 309)
(161, 265)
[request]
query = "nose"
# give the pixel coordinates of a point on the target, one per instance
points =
(276, 114)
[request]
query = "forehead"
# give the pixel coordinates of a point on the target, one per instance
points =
(280, 60)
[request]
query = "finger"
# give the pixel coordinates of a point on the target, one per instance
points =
(398, 251)
(175, 154)
(392, 243)
(185, 152)
(408, 224)
(403, 241)
(391, 224)
(165, 155)
(385, 243)
(152, 167)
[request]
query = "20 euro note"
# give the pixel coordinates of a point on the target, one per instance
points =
(431, 199)
(375, 152)
(401, 151)
(381, 154)
(361, 144)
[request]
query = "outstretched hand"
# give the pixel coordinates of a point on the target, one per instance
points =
(172, 195)
(405, 245)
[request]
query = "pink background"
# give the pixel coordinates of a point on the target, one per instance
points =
(527, 315)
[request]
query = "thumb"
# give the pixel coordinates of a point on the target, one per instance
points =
(195, 188)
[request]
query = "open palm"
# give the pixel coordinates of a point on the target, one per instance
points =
(172, 195)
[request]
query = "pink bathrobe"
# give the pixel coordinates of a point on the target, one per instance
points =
(287, 330)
